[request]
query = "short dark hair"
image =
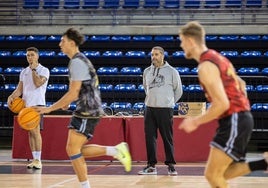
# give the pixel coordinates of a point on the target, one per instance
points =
(32, 49)
(74, 35)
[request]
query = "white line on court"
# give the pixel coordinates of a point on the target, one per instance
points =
(60, 184)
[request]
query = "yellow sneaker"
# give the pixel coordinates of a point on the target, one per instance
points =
(123, 155)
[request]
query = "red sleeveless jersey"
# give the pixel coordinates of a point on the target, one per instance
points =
(238, 101)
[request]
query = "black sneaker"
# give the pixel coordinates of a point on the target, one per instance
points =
(149, 170)
(171, 170)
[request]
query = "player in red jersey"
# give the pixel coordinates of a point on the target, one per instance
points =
(226, 92)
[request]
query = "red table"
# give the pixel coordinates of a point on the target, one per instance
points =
(191, 147)
(108, 132)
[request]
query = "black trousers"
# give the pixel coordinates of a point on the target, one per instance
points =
(159, 119)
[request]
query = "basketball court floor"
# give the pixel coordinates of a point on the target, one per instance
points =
(110, 174)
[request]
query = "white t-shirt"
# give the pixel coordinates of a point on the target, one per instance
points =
(31, 94)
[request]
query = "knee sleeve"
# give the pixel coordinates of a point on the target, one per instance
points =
(257, 165)
(73, 157)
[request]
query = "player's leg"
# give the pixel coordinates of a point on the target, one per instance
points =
(216, 166)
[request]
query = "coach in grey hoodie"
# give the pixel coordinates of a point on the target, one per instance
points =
(163, 88)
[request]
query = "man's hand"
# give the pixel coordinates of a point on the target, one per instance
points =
(188, 125)
(42, 110)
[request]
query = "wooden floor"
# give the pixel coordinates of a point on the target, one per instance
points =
(107, 174)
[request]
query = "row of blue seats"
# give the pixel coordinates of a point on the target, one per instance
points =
(132, 54)
(137, 71)
(140, 106)
(76, 4)
(131, 38)
(129, 87)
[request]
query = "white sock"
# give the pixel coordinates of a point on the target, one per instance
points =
(38, 155)
(111, 151)
(34, 154)
(85, 184)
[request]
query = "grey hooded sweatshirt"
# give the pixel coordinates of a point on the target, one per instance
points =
(162, 86)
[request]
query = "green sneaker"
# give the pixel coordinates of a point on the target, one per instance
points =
(123, 155)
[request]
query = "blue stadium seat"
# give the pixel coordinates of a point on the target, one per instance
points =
(211, 37)
(131, 71)
(2, 37)
(36, 38)
(92, 53)
(135, 54)
(212, 4)
(233, 4)
(91, 4)
(57, 87)
(112, 54)
(194, 70)
(72, 106)
(140, 88)
(51, 4)
(184, 88)
(121, 38)
(259, 107)
(265, 54)
(262, 88)
(138, 106)
(13, 70)
(4, 105)
(48, 103)
(183, 70)
(106, 87)
(1, 69)
(171, 4)
(111, 4)
(61, 54)
(229, 37)
(46, 53)
(265, 37)
(71, 4)
(142, 38)
(10, 87)
(194, 88)
(56, 38)
(59, 70)
(229, 53)
(178, 54)
(131, 4)
(100, 38)
(165, 54)
(163, 38)
(265, 71)
(31, 4)
(125, 87)
(254, 3)
(251, 53)
(250, 37)
(5, 53)
(16, 37)
(250, 88)
(107, 71)
(20, 53)
(248, 71)
(151, 4)
(121, 105)
(192, 4)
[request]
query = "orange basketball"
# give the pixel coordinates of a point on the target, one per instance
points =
(28, 118)
(17, 105)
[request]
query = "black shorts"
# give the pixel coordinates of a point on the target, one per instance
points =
(233, 135)
(84, 126)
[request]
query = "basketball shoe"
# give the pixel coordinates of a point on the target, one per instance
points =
(123, 155)
(148, 170)
(171, 170)
(36, 164)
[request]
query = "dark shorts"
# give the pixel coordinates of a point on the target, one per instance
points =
(84, 126)
(233, 135)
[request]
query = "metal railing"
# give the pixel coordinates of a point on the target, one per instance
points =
(12, 12)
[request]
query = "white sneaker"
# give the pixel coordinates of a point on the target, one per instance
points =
(36, 164)
(149, 170)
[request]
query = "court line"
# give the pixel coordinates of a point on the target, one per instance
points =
(62, 182)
